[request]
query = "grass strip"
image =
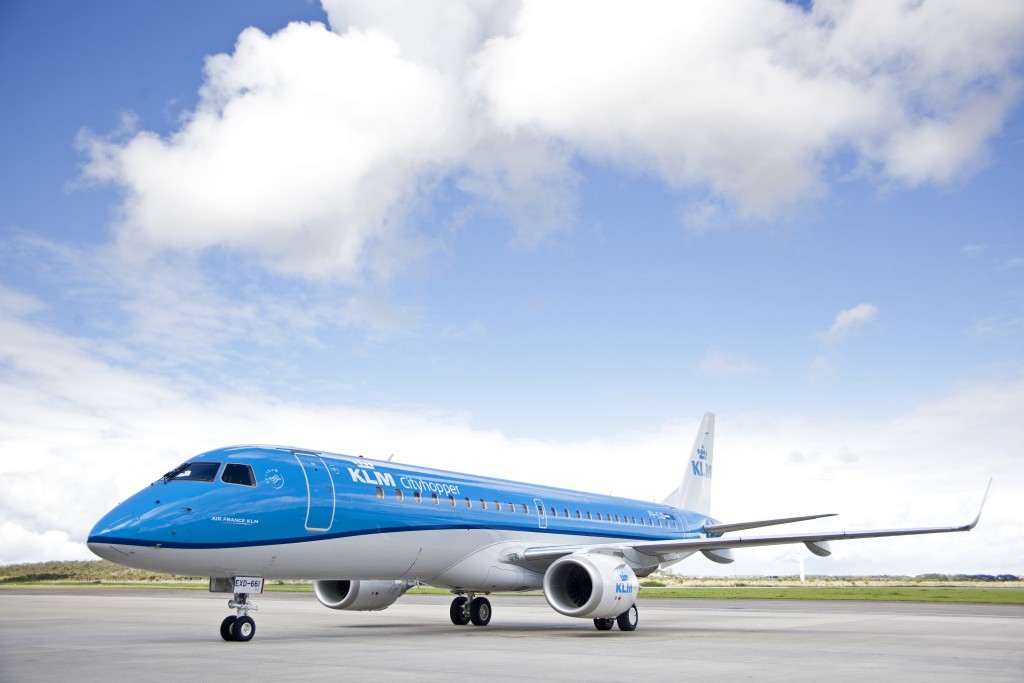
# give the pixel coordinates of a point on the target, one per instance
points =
(1009, 596)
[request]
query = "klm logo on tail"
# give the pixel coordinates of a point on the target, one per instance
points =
(701, 467)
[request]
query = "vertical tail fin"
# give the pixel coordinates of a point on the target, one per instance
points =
(694, 492)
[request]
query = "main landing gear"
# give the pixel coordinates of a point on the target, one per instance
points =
(627, 621)
(240, 626)
(469, 608)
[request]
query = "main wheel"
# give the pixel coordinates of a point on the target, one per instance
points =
(480, 611)
(245, 629)
(227, 628)
(629, 619)
(604, 624)
(460, 611)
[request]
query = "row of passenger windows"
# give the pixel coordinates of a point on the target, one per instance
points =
(514, 508)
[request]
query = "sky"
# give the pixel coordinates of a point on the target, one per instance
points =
(532, 240)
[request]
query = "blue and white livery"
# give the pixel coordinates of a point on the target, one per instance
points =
(365, 530)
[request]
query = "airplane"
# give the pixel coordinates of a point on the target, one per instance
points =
(367, 530)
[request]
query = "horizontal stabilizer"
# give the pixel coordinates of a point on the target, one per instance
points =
(726, 528)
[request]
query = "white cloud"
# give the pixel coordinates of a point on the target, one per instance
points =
(850, 320)
(79, 433)
(700, 217)
(306, 149)
(716, 362)
(996, 326)
(440, 32)
(19, 303)
(25, 545)
(311, 149)
(1015, 262)
(821, 369)
(749, 98)
(170, 310)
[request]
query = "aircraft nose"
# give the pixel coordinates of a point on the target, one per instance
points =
(99, 548)
(116, 535)
(100, 537)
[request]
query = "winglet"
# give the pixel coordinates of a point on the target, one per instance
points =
(980, 507)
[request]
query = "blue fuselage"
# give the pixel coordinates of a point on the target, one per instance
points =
(287, 513)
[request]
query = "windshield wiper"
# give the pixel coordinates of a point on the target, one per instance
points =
(175, 472)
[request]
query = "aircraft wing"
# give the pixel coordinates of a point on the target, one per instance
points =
(814, 541)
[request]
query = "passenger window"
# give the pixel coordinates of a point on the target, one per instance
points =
(590, 516)
(526, 509)
(497, 506)
(451, 499)
(599, 516)
(483, 504)
(380, 492)
(417, 496)
(235, 473)
(469, 503)
(565, 512)
(511, 507)
(578, 515)
(433, 497)
(399, 495)
(554, 512)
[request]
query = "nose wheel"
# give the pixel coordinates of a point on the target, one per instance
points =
(240, 627)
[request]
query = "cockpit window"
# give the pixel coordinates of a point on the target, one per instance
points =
(236, 473)
(194, 471)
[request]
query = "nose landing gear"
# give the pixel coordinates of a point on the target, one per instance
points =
(240, 626)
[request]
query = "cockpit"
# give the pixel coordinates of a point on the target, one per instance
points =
(235, 473)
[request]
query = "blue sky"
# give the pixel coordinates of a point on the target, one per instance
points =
(534, 241)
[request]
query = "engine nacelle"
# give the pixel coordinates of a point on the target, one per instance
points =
(359, 596)
(590, 585)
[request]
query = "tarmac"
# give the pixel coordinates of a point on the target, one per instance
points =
(172, 635)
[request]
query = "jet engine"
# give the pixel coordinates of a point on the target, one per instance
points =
(359, 596)
(590, 585)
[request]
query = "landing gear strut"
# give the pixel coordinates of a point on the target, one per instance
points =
(469, 608)
(240, 626)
